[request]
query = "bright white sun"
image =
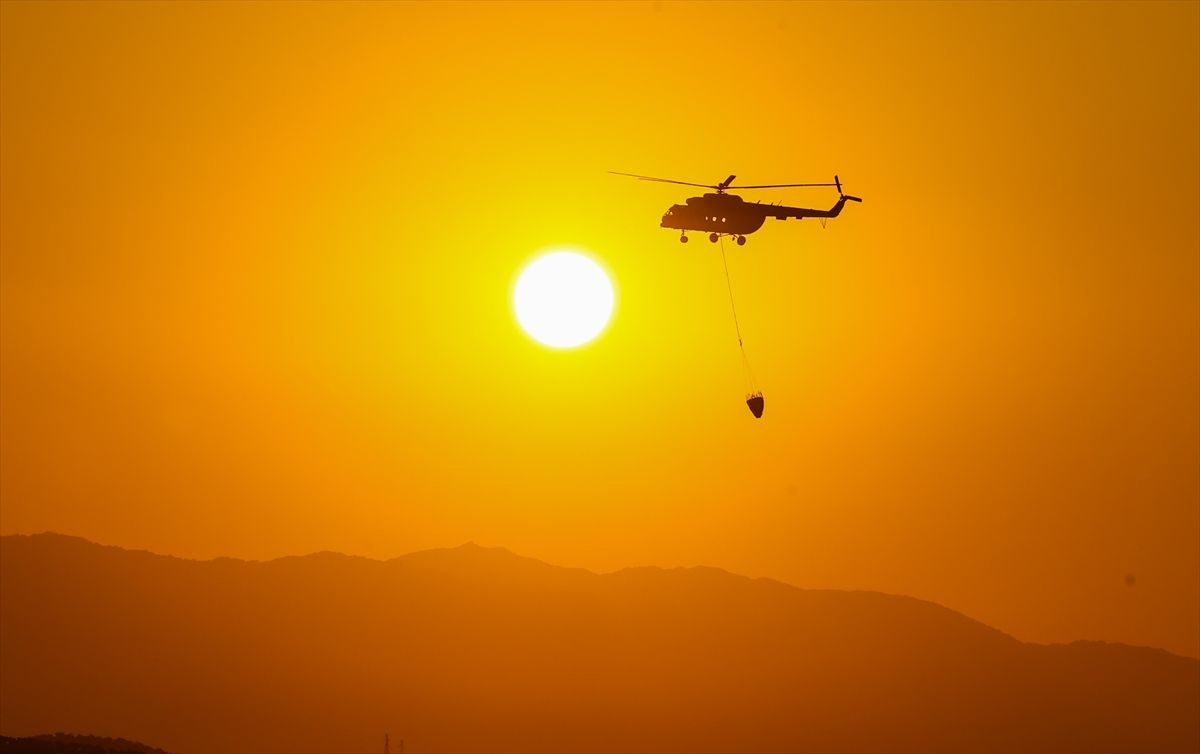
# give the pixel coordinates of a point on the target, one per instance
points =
(563, 299)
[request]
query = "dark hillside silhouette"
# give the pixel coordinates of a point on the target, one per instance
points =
(477, 649)
(66, 743)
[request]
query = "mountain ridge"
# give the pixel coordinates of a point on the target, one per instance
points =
(422, 556)
(472, 545)
(474, 649)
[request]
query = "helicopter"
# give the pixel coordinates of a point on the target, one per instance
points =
(725, 214)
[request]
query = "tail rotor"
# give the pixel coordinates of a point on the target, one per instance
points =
(837, 182)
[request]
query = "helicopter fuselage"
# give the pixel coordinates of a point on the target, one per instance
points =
(716, 213)
(728, 214)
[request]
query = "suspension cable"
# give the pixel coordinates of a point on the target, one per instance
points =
(729, 287)
(747, 371)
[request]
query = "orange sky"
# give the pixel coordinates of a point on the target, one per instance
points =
(255, 262)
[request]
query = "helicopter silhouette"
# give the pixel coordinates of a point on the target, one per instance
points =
(725, 214)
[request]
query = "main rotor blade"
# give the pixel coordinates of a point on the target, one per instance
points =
(663, 180)
(780, 185)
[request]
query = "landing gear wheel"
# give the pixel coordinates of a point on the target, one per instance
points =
(741, 240)
(713, 237)
(683, 238)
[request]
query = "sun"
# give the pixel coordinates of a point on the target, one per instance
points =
(563, 299)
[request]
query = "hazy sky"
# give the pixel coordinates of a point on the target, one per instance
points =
(256, 260)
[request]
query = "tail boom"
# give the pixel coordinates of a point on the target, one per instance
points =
(780, 212)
